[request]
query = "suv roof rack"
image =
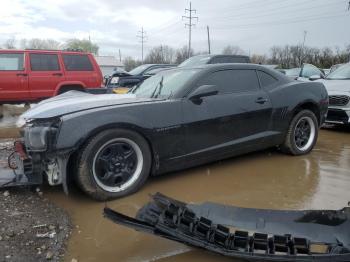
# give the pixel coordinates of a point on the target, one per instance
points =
(43, 49)
(66, 49)
(74, 49)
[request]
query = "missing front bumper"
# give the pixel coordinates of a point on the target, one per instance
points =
(22, 170)
(250, 234)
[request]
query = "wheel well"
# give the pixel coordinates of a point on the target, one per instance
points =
(66, 88)
(74, 155)
(309, 106)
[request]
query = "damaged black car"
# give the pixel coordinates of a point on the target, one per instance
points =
(109, 144)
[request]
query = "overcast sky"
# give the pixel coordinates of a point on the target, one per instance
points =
(254, 25)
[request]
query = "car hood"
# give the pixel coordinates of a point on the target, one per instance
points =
(341, 86)
(75, 101)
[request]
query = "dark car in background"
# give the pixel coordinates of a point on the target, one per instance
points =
(122, 79)
(177, 119)
(214, 59)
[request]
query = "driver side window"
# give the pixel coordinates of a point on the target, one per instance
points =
(232, 81)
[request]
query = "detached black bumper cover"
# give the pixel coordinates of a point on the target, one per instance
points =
(250, 234)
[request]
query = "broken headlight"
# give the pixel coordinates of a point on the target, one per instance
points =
(39, 136)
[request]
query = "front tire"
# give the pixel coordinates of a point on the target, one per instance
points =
(113, 164)
(302, 134)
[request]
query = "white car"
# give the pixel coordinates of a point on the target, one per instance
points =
(337, 84)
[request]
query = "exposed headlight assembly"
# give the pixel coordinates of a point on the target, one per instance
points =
(39, 136)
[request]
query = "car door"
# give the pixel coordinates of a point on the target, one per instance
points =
(236, 117)
(13, 77)
(45, 74)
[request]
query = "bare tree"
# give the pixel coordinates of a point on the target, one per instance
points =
(258, 59)
(233, 50)
(182, 54)
(37, 43)
(160, 55)
(10, 43)
(130, 63)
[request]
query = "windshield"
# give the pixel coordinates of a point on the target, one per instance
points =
(164, 84)
(292, 71)
(341, 73)
(195, 61)
(138, 70)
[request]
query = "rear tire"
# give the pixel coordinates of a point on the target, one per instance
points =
(302, 134)
(113, 164)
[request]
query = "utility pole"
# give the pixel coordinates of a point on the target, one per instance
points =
(142, 36)
(90, 44)
(305, 33)
(303, 48)
(120, 56)
(208, 39)
(349, 10)
(190, 24)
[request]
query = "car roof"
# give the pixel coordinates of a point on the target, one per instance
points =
(210, 67)
(220, 55)
(42, 51)
(158, 65)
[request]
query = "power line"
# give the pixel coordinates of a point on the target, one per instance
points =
(275, 11)
(142, 36)
(283, 22)
(190, 24)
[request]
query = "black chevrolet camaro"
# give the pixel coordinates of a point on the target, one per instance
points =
(179, 118)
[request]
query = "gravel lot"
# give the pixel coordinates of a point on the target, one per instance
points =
(31, 227)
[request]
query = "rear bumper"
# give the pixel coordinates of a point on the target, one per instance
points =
(338, 116)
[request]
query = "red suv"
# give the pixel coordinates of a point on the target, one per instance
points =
(32, 75)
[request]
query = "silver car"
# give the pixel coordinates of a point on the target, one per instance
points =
(338, 86)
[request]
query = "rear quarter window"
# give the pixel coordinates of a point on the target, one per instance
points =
(11, 62)
(77, 63)
(44, 62)
(267, 81)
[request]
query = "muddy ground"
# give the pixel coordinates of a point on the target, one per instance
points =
(266, 179)
(32, 228)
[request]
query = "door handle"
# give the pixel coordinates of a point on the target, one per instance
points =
(21, 74)
(261, 100)
(57, 74)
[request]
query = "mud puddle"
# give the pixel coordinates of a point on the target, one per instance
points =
(266, 179)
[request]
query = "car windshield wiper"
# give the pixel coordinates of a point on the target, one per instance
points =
(132, 90)
(155, 94)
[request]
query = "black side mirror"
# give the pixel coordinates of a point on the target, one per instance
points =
(203, 91)
(315, 77)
